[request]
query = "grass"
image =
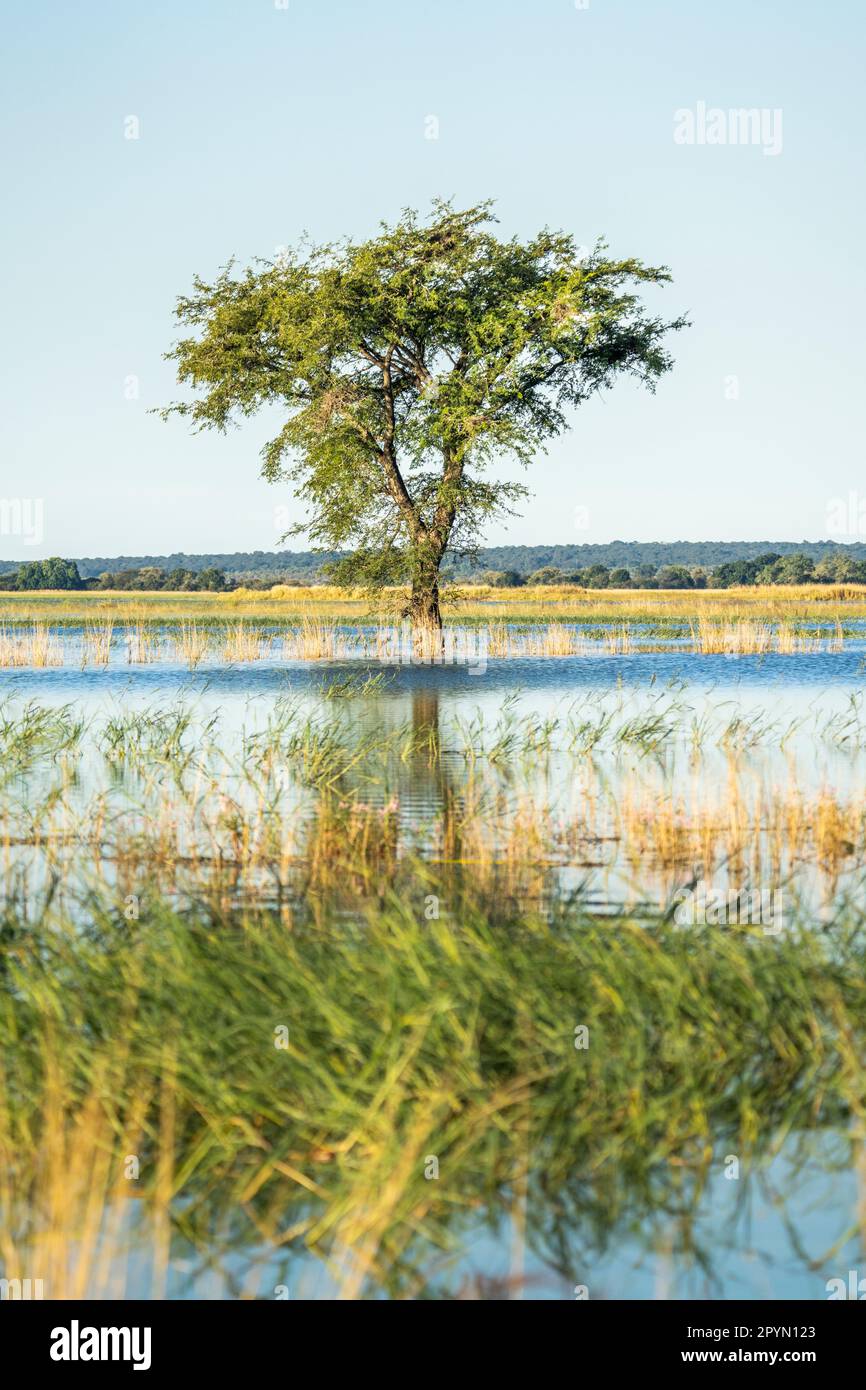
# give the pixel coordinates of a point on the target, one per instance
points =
(323, 623)
(254, 982)
(468, 603)
(37, 647)
(747, 636)
(194, 641)
(142, 643)
(191, 644)
(243, 643)
(623, 802)
(96, 642)
(297, 1111)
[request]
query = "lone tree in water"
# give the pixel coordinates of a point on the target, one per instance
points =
(406, 366)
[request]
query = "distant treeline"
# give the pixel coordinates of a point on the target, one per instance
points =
(278, 566)
(65, 574)
(769, 568)
(833, 565)
(638, 557)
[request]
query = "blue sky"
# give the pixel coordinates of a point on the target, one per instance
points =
(258, 122)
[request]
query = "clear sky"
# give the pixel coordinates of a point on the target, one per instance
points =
(258, 121)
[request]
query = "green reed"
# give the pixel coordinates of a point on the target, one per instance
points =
(286, 1089)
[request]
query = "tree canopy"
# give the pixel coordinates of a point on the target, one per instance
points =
(406, 365)
(54, 573)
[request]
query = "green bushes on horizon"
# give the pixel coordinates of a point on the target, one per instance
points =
(769, 568)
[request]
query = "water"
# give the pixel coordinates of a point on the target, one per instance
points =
(762, 1236)
(785, 1224)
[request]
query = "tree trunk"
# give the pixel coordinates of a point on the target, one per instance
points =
(424, 611)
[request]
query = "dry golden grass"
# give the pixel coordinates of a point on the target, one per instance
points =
(191, 644)
(555, 602)
(243, 643)
(40, 630)
(142, 644)
(71, 1218)
(747, 636)
(317, 639)
(620, 641)
(38, 647)
(96, 642)
(710, 637)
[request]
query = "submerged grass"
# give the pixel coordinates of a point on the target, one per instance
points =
(252, 987)
(35, 647)
(296, 1112)
(621, 803)
(96, 642)
(745, 636)
(191, 645)
(243, 643)
(192, 642)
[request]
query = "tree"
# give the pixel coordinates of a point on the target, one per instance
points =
(674, 577)
(53, 573)
(405, 366)
(596, 577)
(176, 579)
(839, 568)
(794, 569)
(548, 574)
(213, 579)
(502, 579)
(759, 570)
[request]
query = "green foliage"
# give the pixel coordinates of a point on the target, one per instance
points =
(548, 574)
(744, 571)
(674, 577)
(405, 366)
(406, 1037)
(48, 574)
(596, 577)
(686, 565)
(502, 579)
(642, 559)
(835, 567)
(151, 578)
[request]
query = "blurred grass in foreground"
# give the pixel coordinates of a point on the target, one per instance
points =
(405, 1039)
